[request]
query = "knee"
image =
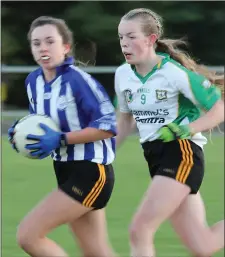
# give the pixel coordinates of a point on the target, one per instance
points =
(133, 233)
(139, 230)
(23, 238)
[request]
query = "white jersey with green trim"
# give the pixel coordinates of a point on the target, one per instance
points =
(169, 93)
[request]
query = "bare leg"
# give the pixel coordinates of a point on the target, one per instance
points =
(91, 233)
(54, 210)
(189, 221)
(163, 197)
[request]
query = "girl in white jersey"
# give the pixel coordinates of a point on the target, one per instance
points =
(82, 152)
(165, 93)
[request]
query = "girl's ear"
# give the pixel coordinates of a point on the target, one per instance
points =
(67, 48)
(152, 39)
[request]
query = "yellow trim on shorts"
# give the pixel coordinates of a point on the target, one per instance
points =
(96, 190)
(187, 161)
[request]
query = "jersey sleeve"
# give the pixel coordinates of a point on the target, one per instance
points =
(121, 100)
(95, 103)
(198, 89)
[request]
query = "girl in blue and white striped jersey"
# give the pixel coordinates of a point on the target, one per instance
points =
(82, 152)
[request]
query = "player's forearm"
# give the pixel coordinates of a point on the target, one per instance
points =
(209, 120)
(87, 135)
(125, 127)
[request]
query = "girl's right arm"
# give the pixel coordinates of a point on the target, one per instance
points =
(125, 121)
(125, 126)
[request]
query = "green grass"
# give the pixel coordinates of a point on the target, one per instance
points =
(25, 182)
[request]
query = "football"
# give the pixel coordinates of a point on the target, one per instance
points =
(30, 125)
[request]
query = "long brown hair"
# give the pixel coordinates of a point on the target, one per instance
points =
(152, 24)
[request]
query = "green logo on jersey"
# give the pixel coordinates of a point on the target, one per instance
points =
(128, 95)
(161, 94)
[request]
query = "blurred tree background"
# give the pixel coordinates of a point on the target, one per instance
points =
(94, 25)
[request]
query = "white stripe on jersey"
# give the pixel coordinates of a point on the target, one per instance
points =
(110, 152)
(53, 100)
(40, 95)
(98, 146)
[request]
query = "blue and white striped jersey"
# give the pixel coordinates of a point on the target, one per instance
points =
(74, 100)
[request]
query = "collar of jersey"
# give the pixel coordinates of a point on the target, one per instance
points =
(68, 61)
(158, 66)
(59, 69)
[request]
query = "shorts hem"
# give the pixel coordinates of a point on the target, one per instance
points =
(192, 191)
(71, 195)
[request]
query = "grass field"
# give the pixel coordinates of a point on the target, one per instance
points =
(25, 182)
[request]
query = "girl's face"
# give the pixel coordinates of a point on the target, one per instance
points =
(47, 46)
(134, 43)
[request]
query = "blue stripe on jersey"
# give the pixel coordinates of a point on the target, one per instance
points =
(89, 152)
(104, 152)
(47, 96)
(31, 109)
(82, 116)
(113, 142)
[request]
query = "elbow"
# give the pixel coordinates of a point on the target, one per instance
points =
(217, 111)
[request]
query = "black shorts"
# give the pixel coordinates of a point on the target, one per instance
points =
(89, 183)
(182, 160)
